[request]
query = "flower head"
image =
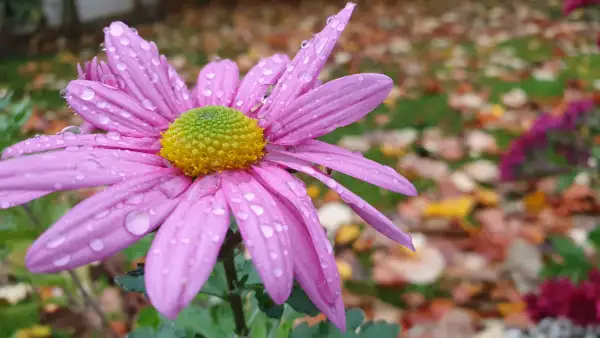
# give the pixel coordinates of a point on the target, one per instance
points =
(183, 161)
(570, 5)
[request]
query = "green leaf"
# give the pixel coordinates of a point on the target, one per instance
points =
(300, 302)
(144, 332)
(565, 181)
(267, 306)
(196, 319)
(148, 317)
(594, 236)
(133, 281)
(355, 328)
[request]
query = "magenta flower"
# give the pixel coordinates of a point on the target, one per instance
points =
(183, 161)
(570, 5)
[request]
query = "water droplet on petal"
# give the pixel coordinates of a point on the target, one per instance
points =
(218, 211)
(116, 29)
(4, 205)
(71, 130)
(121, 67)
(249, 196)
(135, 199)
(206, 92)
(137, 223)
(88, 165)
(63, 93)
(87, 94)
(267, 230)
(113, 135)
(242, 216)
(304, 44)
(97, 245)
(124, 41)
(55, 242)
(62, 260)
(277, 272)
(216, 238)
(79, 176)
(103, 119)
(273, 254)
(258, 210)
(278, 226)
(147, 104)
(210, 75)
(102, 214)
(145, 45)
(305, 77)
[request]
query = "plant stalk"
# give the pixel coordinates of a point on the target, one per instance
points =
(234, 298)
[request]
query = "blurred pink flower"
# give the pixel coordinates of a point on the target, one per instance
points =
(571, 5)
(140, 100)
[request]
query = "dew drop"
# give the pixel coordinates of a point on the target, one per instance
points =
(239, 103)
(267, 71)
(135, 199)
(121, 67)
(249, 196)
(273, 254)
(210, 75)
(70, 130)
(63, 93)
(124, 41)
(145, 45)
(242, 215)
(113, 135)
(304, 44)
(331, 183)
(62, 260)
(79, 176)
(185, 240)
(97, 245)
(305, 77)
(277, 272)
(125, 114)
(278, 226)
(137, 223)
(102, 214)
(110, 81)
(258, 210)
(148, 105)
(55, 242)
(218, 211)
(216, 238)
(206, 92)
(116, 29)
(103, 119)
(267, 230)
(4, 205)
(88, 165)
(87, 94)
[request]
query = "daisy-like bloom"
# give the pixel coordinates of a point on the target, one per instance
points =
(184, 161)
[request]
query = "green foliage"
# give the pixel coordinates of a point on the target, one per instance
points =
(133, 281)
(14, 115)
(167, 330)
(573, 262)
(356, 327)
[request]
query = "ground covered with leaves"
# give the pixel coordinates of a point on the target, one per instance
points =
(471, 78)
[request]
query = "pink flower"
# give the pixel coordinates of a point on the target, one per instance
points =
(183, 161)
(571, 5)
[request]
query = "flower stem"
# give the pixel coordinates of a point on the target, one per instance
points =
(234, 298)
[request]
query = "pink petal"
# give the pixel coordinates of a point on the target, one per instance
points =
(302, 72)
(264, 233)
(308, 271)
(335, 104)
(217, 83)
(146, 75)
(357, 166)
(255, 84)
(111, 109)
(185, 250)
(103, 224)
(74, 168)
(366, 211)
(52, 142)
(97, 71)
(10, 198)
(308, 234)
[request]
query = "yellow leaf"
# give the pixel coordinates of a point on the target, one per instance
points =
(487, 197)
(347, 234)
(36, 331)
(459, 207)
(506, 309)
(345, 269)
(497, 110)
(389, 151)
(535, 202)
(313, 191)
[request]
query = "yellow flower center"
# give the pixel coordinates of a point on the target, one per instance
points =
(210, 139)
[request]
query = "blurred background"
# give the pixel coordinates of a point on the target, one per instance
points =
(509, 202)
